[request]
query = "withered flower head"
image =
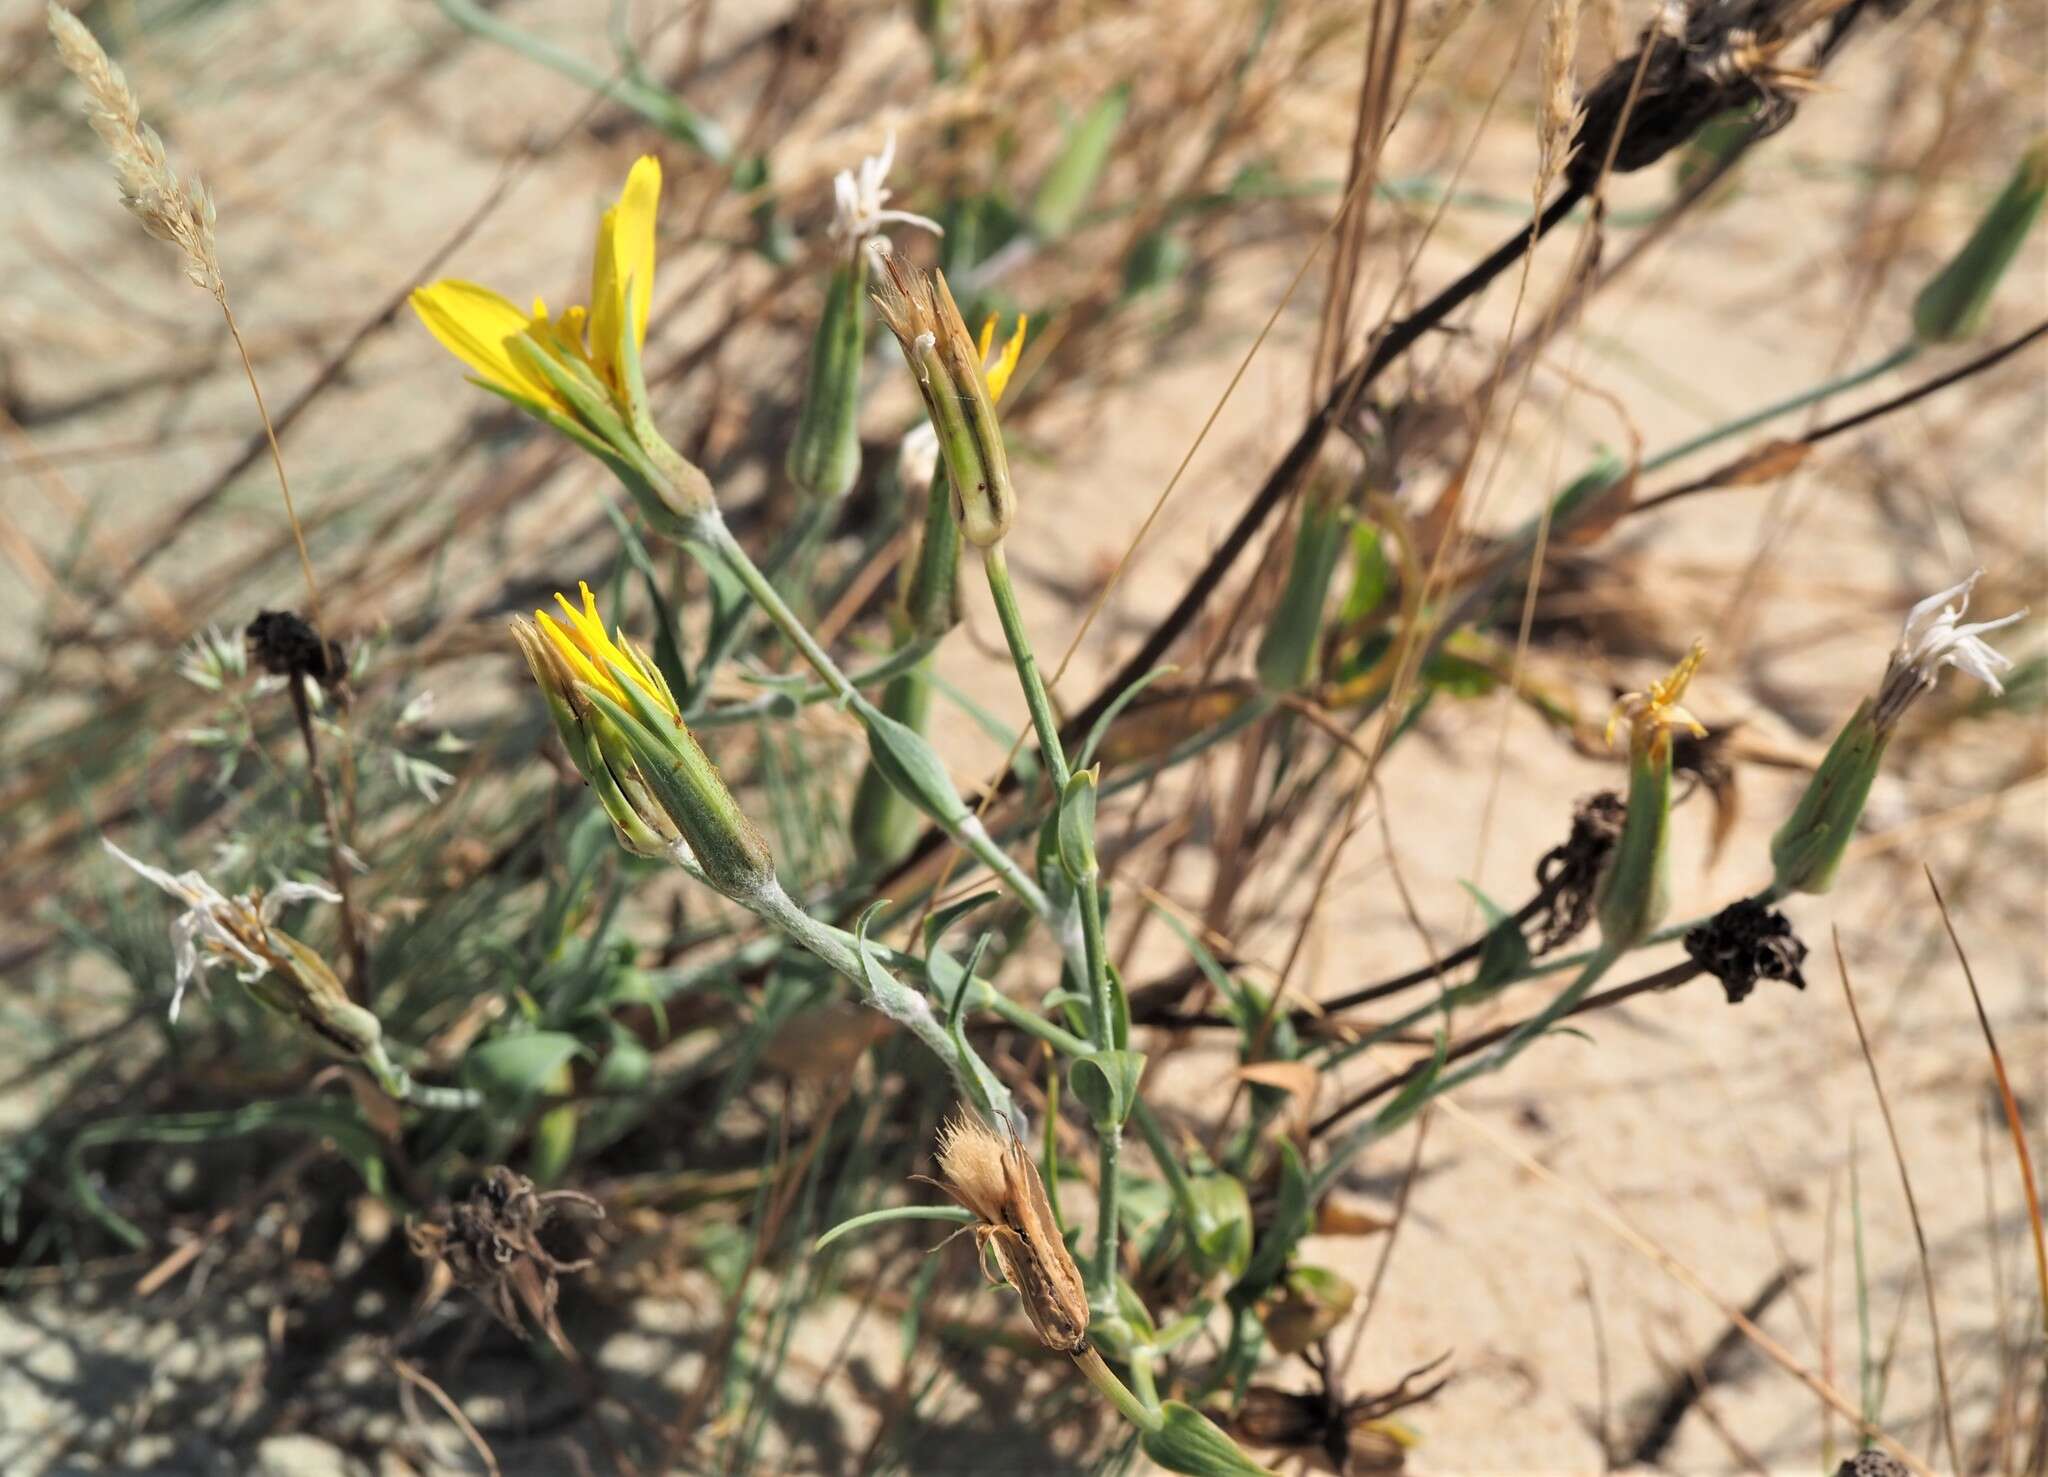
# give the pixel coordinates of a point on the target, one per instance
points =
(1568, 872)
(490, 1244)
(286, 645)
(993, 1177)
(1692, 63)
(1745, 942)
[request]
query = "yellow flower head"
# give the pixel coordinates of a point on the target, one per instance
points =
(479, 326)
(589, 651)
(1652, 715)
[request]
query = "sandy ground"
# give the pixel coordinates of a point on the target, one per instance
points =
(345, 143)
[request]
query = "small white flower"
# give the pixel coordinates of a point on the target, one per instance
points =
(234, 930)
(860, 201)
(1935, 637)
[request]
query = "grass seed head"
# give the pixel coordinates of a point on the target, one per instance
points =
(170, 209)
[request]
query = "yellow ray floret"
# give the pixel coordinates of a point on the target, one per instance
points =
(1650, 715)
(589, 650)
(998, 374)
(625, 255)
(478, 325)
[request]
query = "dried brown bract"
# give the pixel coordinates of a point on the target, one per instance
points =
(1695, 62)
(1568, 873)
(490, 1244)
(1746, 942)
(992, 1176)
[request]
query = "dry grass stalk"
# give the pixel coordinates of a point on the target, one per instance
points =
(170, 209)
(1559, 123)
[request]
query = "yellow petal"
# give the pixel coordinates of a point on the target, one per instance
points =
(625, 254)
(999, 373)
(473, 323)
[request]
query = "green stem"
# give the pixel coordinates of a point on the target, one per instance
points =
(1771, 412)
(1109, 1136)
(708, 530)
(1112, 1389)
(886, 993)
(1035, 696)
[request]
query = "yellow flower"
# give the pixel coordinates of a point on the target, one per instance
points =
(1652, 715)
(480, 327)
(589, 651)
(998, 374)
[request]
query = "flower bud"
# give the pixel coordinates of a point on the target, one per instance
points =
(920, 311)
(1635, 889)
(627, 737)
(1952, 306)
(824, 454)
(1807, 850)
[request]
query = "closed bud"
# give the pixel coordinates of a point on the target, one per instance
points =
(1952, 307)
(824, 454)
(920, 311)
(1634, 891)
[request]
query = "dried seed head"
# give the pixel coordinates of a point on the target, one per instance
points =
(490, 1245)
(996, 1179)
(170, 209)
(971, 1155)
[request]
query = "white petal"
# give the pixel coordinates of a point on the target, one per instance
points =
(175, 886)
(284, 894)
(1929, 611)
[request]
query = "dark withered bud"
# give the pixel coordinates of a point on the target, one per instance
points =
(1568, 872)
(1745, 942)
(284, 644)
